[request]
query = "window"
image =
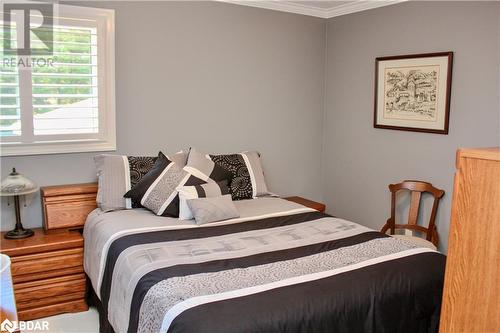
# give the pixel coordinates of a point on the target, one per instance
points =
(62, 102)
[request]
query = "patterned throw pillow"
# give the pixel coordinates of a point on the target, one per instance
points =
(201, 166)
(247, 175)
(116, 175)
(199, 191)
(157, 189)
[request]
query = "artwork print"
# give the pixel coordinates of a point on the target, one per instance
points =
(412, 92)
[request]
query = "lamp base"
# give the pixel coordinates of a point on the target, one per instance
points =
(19, 233)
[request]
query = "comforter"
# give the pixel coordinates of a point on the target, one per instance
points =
(292, 270)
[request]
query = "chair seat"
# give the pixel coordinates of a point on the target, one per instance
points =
(417, 241)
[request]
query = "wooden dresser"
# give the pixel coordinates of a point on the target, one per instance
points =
(47, 268)
(471, 298)
(47, 273)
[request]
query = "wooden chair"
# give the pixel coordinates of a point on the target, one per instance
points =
(416, 189)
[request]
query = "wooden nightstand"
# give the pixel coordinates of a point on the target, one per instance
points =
(308, 203)
(47, 272)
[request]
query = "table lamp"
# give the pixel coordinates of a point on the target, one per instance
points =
(15, 185)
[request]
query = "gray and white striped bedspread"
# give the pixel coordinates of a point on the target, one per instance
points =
(291, 269)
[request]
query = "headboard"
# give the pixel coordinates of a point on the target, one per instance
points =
(65, 207)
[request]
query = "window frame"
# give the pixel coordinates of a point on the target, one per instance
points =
(105, 139)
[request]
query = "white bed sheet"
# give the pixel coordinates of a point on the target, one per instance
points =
(101, 228)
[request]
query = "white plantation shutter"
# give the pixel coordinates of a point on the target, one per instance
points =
(69, 106)
(10, 110)
(65, 96)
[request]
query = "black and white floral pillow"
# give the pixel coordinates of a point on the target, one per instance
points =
(247, 179)
(139, 166)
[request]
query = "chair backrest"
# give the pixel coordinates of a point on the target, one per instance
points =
(416, 189)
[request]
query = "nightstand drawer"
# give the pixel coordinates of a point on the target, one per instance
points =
(44, 292)
(67, 206)
(53, 309)
(68, 214)
(46, 261)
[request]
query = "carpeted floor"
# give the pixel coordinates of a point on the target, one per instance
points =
(82, 322)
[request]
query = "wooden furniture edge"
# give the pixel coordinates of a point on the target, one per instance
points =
(69, 189)
(475, 169)
(48, 242)
(65, 207)
(490, 153)
(307, 202)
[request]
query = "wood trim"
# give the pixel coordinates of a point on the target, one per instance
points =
(492, 153)
(71, 189)
(308, 203)
(40, 242)
(70, 198)
(448, 92)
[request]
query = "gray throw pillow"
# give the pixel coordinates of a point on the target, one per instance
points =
(117, 174)
(213, 209)
(180, 158)
(201, 166)
(199, 191)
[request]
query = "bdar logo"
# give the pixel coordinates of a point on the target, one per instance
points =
(7, 326)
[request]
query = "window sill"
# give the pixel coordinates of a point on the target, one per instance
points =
(43, 148)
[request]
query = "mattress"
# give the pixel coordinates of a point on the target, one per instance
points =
(280, 267)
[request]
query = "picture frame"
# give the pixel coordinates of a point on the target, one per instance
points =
(412, 92)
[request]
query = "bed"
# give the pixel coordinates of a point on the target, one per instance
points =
(279, 267)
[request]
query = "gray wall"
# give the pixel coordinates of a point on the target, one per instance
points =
(220, 77)
(360, 161)
(226, 78)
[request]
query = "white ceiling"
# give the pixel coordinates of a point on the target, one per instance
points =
(321, 8)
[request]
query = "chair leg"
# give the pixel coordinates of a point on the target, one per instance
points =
(388, 226)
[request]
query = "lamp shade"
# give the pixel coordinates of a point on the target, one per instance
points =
(17, 184)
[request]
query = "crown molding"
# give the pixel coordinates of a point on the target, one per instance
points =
(282, 6)
(359, 6)
(296, 8)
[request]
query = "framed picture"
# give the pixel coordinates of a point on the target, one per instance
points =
(412, 92)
